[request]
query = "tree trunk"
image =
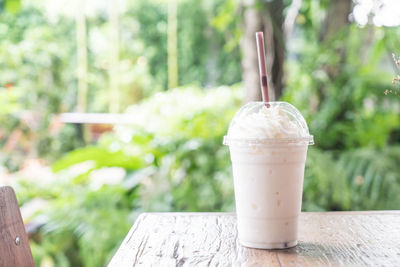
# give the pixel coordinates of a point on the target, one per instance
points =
(337, 17)
(275, 46)
(82, 72)
(252, 23)
(266, 17)
(81, 43)
(114, 106)
(172, 44)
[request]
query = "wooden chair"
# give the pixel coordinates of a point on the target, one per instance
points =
(14, 244)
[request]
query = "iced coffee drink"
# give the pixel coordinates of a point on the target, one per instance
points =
(268, 145)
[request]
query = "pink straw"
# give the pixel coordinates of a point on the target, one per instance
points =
(261, 66)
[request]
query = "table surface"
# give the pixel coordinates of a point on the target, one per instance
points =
(370, 238)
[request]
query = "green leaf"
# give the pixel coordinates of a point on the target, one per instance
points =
(12, 6)
(102, 158)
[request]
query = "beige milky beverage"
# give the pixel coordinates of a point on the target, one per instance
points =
(268, 149)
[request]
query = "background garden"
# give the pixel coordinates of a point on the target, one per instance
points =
(180, 70)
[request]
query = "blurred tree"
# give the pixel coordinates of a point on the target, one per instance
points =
(114, 45)
(172, 44)
(267, 17)
(82, 68)
(337, 17)
(337, 72)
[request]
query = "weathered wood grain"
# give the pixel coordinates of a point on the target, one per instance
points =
(210, 239)
(14, 244)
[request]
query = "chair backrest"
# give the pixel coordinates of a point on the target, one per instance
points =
(14, 244)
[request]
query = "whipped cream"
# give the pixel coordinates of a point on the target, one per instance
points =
(268, 123)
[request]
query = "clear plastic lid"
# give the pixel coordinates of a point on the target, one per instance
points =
(258, 123)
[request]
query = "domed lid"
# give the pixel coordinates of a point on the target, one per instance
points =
(268, 123)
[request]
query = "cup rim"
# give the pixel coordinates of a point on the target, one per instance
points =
(307, 140)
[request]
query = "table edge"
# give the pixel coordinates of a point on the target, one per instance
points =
(320, 213)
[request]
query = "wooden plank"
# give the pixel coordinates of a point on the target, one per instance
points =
(210, 239)
(14, 244)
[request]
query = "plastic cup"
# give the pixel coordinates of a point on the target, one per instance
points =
(268, 181)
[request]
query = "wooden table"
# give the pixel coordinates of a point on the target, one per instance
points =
(369, 238)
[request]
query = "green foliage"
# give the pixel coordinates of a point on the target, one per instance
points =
(344, 103)
(100, 189)
(10, 6)
(8, 102)
(94, 233)
(101, 158)
(188, 178)
(325, 185)
(88, 208)
(185, 127)
(202, 55)
(34, 85)
(83, 223)
(43, 82)
(373, 176)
